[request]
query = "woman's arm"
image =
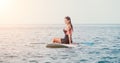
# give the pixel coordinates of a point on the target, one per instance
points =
(69, 34)
(70, 40)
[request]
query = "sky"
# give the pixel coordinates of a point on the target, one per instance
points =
(54, 11)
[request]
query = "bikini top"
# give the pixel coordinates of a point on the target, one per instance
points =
(67, 31)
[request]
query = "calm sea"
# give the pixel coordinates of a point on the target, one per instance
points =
(26, 44)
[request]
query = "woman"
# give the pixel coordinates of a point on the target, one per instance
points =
(67, 31)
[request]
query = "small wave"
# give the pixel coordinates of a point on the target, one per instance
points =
(83, 60)
(108, 57)
(94, 52)
(104, 62)
(105, 49)
(115, 51)
(33, 61)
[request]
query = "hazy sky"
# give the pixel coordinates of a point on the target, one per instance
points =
(54, 11)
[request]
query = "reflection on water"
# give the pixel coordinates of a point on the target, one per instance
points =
(97, 44)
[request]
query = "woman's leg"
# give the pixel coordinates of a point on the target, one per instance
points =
(56, 40)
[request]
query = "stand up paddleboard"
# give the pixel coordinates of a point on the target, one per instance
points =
(56, 45)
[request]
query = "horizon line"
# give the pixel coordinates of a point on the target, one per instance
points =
(59, 24)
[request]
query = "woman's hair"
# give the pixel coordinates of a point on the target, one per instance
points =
(68, 18)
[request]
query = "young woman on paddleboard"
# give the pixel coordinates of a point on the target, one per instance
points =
(67, 31)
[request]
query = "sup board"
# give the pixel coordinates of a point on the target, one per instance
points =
(56, 45)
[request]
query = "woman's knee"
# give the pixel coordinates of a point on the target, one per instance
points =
(53, 40)
(56, 40)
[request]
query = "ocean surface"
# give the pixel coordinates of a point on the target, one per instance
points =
(27, 44)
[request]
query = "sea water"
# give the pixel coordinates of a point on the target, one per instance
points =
(27, 44)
